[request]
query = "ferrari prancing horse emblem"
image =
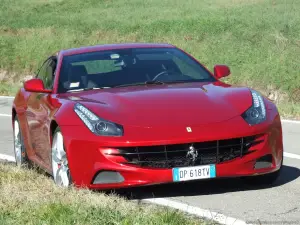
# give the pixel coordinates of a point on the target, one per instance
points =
(192, 153)
(189, 129)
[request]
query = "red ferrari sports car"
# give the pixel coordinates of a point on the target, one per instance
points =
(124, 115)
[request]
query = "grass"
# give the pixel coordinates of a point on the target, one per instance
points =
(28, 197)
(258, 39)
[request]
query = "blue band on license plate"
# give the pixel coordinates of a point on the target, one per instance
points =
(194, 173)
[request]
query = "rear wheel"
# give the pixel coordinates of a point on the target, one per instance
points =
(60, 165)
(19, 147)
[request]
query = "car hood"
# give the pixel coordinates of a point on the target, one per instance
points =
(188, 104)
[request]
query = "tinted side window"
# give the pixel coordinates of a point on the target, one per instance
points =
(186, 68)
(46, 73)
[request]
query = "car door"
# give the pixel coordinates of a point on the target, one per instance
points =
(38, 112)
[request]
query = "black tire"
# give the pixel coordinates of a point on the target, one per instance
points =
(266, 179)
(23, 161)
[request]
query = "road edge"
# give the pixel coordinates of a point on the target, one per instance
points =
(8, 158)
(196, 211)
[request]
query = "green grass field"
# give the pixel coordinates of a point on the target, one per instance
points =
(258, 39)
(29, 197)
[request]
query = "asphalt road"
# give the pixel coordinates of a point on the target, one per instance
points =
(277, 204)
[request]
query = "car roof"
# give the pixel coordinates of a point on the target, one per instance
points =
(86, 49)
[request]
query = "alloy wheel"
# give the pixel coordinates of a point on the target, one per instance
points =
(19, 148)
(60, 167)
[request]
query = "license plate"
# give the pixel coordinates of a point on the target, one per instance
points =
(194, 173)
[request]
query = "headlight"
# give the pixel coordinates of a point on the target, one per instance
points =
(97, 125)
(257, 112)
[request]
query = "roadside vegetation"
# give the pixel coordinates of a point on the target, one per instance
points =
(29, 197)
(258, 39)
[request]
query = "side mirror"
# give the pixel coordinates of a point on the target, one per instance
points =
(221, 71)
(35, 85)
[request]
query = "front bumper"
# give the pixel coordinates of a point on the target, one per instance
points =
(86, 159)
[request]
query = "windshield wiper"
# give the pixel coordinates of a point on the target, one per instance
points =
(135, 84)
(141, 83)
(154, 82)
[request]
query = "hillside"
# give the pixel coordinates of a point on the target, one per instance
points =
(258, 39)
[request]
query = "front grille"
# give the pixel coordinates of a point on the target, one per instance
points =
(182, 155)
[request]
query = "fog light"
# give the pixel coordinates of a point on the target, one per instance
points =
(264, 162)
(108, 177)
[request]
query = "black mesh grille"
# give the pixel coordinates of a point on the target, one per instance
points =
(181, 155)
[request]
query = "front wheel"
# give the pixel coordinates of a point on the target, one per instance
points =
(60, 166)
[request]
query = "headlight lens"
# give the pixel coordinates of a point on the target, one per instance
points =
(257, 113)
(97, 125)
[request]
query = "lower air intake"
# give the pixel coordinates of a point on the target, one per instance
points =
(108, 177)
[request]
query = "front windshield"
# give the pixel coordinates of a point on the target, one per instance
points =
(126, 67)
